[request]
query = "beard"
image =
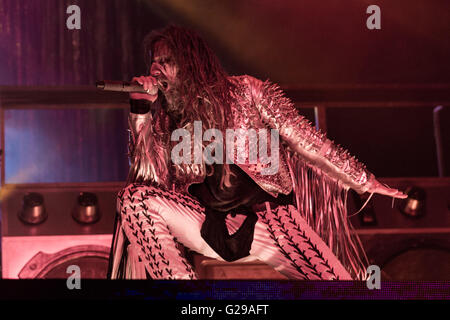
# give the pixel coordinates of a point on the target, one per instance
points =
(173, 103)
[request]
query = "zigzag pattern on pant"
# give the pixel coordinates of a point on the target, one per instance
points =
(290, 229)
(270, 228)
(152, 250)
(171, 195)
(189, 270)
(318, 254)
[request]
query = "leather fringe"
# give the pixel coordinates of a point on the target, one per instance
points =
(322, 202)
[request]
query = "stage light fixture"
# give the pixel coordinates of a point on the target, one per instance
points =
(86, 210)
(33, 209)
(414, 205)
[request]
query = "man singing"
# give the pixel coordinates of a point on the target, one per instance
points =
(294, 219)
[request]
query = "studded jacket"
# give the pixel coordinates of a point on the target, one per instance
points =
(317, 171)
(258, 105)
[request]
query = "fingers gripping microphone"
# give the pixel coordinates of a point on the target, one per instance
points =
(123, 86)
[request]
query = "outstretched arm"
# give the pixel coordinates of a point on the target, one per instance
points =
(278, 112)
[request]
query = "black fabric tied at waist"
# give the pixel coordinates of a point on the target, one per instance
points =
(239, 198)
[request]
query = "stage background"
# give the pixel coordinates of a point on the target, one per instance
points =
(373, 91)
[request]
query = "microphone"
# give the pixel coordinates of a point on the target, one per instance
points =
(123, 86)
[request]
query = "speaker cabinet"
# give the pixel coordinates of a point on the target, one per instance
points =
(46, 249)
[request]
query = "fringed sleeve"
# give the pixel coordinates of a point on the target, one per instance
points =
(321, 173)
(148, 148)
(312, 145)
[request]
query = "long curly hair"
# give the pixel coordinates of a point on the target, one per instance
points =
(205, 88)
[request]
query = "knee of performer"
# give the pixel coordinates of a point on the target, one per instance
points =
(135, 199)
(132, 194)
(124, 198)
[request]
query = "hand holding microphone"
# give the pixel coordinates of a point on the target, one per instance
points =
(150, 85)
(141, 88)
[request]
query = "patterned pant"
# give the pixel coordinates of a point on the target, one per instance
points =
(157, 221)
